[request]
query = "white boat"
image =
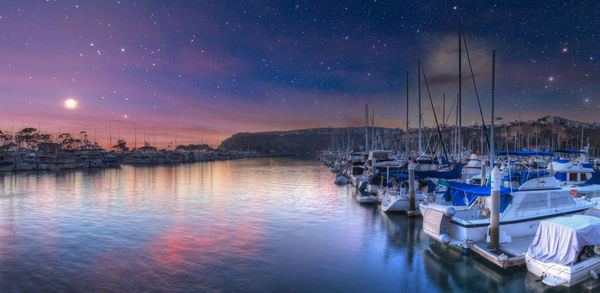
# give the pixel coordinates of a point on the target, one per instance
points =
(400, 202)
(476, 161)
(565, 250)
(467, 220)
(363, 197)
(396, 198)
(570, 172)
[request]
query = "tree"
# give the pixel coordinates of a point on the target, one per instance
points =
(121, 145)
(28, 135)
(5, 137)
(67, 141)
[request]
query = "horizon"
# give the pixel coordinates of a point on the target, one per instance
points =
(110, 142)
(222, 68)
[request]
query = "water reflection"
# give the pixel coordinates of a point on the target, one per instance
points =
(251, 225)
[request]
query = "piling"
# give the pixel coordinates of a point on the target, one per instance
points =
(412, 210)
(495, 210)
(483, 179)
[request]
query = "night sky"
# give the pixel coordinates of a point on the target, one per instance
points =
(199, 71)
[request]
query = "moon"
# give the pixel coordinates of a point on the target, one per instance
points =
(70, 104)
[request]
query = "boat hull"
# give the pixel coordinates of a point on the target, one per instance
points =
(565, 275)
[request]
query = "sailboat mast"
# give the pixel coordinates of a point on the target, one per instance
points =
(492, 154)
(373, 142)
(348, 138)
(420, 113)
(456, 128)
(366, 128)
(406, 145)
(459, 137)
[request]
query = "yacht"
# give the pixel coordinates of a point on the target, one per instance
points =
(463, 218)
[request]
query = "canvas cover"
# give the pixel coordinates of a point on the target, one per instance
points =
(560, 240)
(464, 194)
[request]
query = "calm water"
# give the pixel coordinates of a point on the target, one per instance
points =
(246, 225)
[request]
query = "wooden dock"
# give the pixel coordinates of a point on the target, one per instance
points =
(511, 254)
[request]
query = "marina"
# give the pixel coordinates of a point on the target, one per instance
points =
(275, 219)
(308, 146)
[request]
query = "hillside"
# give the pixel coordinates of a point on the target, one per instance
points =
(544, 133)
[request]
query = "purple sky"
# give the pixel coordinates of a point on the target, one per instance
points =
(199, 71)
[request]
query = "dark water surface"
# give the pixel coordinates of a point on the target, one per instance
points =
(246, 225)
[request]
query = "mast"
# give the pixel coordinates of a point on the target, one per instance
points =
(459, 137)
(373, 142)
(420, 113)
(406, 145)
(456, 128)
(581, 148)
(444, 109)
(366, 128)
(348, 138)
(492, 154)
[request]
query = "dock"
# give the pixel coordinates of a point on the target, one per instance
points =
(508, 255)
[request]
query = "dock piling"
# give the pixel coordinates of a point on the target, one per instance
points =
(495, 210)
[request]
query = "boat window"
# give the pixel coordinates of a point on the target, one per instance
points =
(533, 201)
(558, 199)
(572, 176)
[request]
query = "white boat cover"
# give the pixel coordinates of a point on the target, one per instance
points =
(560, 240)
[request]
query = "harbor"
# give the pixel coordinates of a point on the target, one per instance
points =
(259, 223)
(309, 146)
(32, 150)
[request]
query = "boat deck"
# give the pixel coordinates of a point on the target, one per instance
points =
(515, 252)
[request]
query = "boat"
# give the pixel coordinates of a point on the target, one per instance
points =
(464, 217)
(565, 250)
(569, 171)
(363, 196)
(397, 198)
(476, 162)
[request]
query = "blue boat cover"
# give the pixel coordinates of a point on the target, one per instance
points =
(463, 194)
(560, 161)
(401, 176)
(561, 176)
(455, 173)
(569, 151)
(523, 153)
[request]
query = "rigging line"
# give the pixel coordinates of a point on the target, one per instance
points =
(476, 91)
(445, 123)
(435, 115)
